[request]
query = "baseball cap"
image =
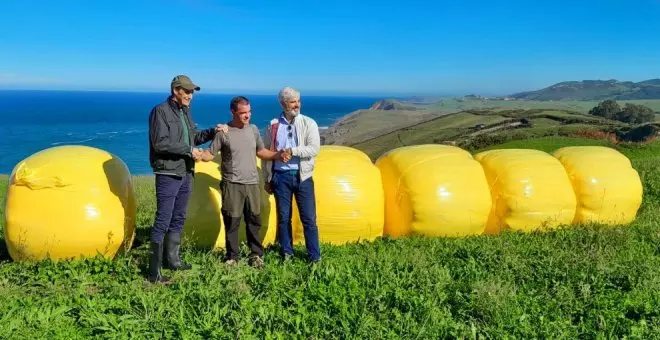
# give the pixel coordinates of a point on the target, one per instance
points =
(184, 82)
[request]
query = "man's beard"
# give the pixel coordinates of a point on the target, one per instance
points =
(292, 113)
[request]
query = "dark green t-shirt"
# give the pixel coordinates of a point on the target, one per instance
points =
(238, 148)
(184, 122)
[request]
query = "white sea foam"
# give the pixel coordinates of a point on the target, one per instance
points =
(73, 142)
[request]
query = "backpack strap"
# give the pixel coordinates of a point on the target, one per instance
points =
(274, 125)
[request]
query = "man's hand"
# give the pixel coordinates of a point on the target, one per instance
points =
(268, 188)
(206, 155)
(197, 154)
(222, 128)
(272, 155)
(284, 155)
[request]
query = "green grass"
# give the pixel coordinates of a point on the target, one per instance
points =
(3, 193)
(575, 282)
(364, 125)
(460, 128)
(435, 131)
(454, 105)
(549, 144)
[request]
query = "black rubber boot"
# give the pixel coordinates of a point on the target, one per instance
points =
(155, 264)
(173, 252)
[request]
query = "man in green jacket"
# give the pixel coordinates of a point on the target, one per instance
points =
(172, 154)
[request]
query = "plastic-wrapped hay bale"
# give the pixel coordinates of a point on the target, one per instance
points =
(530, 190)
(349, 197)
(608, 188)
(204, 226)
(434, 190)
(69, 202)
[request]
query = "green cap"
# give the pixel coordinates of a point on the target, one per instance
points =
(184, 82)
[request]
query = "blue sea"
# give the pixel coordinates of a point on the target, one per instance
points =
(118, 121)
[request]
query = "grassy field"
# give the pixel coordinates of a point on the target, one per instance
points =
(455, 105)
(577, 282)
(364, 125)
(461, 128)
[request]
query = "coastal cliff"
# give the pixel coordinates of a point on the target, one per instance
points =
(383, 116)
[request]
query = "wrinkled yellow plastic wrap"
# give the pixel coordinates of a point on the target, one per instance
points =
(530, 190)
(608, 188)
(349, 197)
(204, 226)
(69, 202)
(434, 190)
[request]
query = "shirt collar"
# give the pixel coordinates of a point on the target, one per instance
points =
(284, 121)
(175, 105)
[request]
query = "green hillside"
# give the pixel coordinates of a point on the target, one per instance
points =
(363, 125)
(476, 129)
(449, 105)
(595, 90)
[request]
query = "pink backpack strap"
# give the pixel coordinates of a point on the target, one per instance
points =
(275, 124)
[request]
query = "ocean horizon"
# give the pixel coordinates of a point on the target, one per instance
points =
(117, 121)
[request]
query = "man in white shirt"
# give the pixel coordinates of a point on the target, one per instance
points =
(298, 136)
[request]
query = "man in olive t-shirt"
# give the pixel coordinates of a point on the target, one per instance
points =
(239, 147)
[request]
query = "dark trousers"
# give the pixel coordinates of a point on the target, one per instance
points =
(285, 185)
(172, 194)
(241, 199)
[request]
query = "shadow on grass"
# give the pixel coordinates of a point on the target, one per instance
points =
(203, 227)
(141, 237)
(4, 252)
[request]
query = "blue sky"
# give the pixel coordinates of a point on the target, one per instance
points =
(342, 46)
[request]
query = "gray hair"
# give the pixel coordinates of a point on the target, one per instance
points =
(287, 93)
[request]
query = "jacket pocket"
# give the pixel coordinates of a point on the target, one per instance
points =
(159, 164)
(175, 129)
(307, 165)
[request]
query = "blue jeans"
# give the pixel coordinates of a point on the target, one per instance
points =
(285, 185)
(172, 194)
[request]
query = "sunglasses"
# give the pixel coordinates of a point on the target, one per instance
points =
(290, 133)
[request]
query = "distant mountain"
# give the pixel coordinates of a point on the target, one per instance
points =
(655, 82)
(595, 90)
(390, 104)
